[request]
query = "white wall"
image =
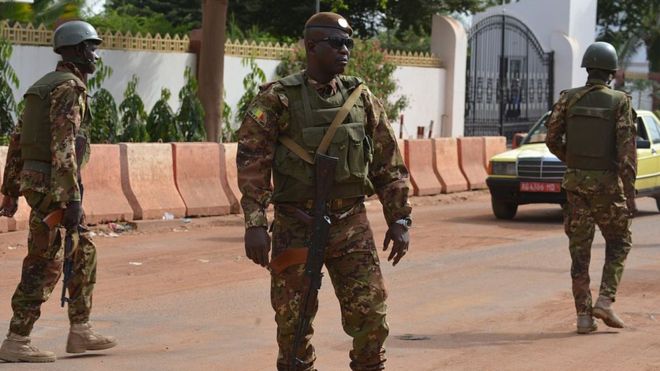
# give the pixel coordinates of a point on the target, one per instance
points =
(424, 87)
(155, 71)
(567, 27)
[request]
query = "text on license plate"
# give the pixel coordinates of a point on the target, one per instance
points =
(539, 187)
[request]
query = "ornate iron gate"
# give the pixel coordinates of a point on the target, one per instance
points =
(509, 78)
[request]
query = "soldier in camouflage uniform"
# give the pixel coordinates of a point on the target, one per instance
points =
(592, 130)
(46, 152)
(300, 107)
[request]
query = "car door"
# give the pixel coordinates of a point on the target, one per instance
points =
(647, 159)
(653, 127)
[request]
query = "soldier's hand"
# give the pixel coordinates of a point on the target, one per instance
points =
(398, 235)
(257, 245)
(9, 206)
(632, 206)
(72, 215)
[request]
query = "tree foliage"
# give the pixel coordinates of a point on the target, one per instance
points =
(133, 115)
(630, 24)
(8, 79)
(161, 123)
(190, 117)
(368, 62)
(251, 83)
(105, 117)
(162, 16)
(42, 11)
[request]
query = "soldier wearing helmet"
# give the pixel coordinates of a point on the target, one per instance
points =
(44, 159)
(592, 130)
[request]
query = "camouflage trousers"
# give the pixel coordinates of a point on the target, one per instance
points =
(354, 269)
(596, 200)
(42, 268)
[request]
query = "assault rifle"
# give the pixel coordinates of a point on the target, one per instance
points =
(324, 170)
(51, 221)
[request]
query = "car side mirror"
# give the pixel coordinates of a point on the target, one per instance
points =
(517, 139)
(643, 143)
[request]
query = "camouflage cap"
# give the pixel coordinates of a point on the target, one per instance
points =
(329, 20)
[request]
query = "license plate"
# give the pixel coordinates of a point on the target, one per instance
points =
(540, 187)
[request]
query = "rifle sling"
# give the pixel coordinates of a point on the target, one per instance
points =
(332, 129)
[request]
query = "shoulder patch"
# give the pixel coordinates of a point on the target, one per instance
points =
(258, 114)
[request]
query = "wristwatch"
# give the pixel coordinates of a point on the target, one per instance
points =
(406, 222)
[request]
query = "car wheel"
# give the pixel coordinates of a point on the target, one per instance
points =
(504, 209)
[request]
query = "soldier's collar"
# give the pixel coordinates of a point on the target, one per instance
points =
(323, 88)
(594, 81)
(69, 67)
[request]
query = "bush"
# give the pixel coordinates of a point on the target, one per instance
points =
(133, 116)
(251, 83)
(367, 62)
(105, 117)
(161, 123)
(190, 117)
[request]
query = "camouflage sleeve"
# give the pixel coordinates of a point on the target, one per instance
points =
(556, 125)
(388, 173)
(11, 180)
(626, 145)
(257, 138)
(67, 108)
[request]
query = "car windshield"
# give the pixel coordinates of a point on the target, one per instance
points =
(538, 132)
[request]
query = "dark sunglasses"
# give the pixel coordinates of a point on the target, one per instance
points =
(337, 42)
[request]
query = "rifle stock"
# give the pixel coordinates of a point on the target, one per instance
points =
(53, 219)
(67, 268)
(324, 170)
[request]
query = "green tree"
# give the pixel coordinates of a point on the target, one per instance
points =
(182, 15)
(251, 83)
(128, 20)
(105, 117)
(42, 11)
(8, 79)
(161, 123)
(367, 62)
(190, 117)
(133, 115)
(630, 24)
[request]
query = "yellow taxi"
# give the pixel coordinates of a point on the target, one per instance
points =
(529, 173)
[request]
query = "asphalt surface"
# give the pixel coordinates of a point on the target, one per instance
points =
(474, 293)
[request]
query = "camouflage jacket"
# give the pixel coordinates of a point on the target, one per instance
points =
(626, 147)
(257, 139)
(67, 109)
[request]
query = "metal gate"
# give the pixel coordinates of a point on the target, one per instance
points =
(509, 78)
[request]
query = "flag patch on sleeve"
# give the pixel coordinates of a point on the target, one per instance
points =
(258, 114)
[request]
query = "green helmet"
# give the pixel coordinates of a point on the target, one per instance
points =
(601, 55)
(73, 33)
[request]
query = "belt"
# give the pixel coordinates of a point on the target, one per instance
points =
(336, 204)
(38, 166)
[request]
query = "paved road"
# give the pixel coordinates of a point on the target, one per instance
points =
(473, 294)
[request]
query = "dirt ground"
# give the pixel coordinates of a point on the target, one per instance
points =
(474, 293)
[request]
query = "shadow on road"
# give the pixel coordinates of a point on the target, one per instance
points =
(551, 217)
(476, 339)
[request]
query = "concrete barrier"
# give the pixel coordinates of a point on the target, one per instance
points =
(419, 159)
(235, 207)
(197, 176)
(493, 146)
(471, 159)
(232, 176)
(446, 167)
(147, 179)
(104, 200)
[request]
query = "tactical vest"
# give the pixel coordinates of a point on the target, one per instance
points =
(36, 131)
(591, 127)
(310, 116)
